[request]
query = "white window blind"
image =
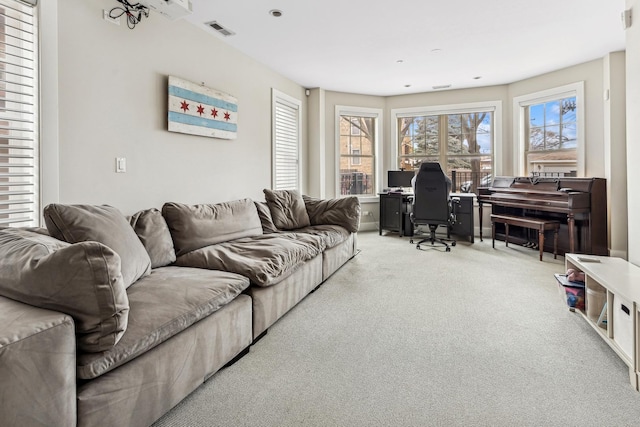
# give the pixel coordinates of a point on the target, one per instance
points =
(286, 142)
(19, 164)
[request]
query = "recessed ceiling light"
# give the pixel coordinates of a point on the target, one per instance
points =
(436, 50)
(477, 77)
(275, 13)
(441, 87)
(407, 85)
(400, 61)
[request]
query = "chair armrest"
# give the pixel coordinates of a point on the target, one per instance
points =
(344, 211)
(37, 366)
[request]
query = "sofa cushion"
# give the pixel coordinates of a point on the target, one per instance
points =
(82, 280)
(332, 235)
(287, 209)
(196, 226)
(153, 232)
(344, 211)
(104, 224)
(163, 304)
(266, 259)
(265, 218)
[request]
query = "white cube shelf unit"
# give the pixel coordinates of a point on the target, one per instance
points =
(621, 280)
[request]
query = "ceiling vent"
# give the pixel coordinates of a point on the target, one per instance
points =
(441, 87)
(219, 28)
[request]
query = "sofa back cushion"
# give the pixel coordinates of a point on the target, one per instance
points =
(287, 208)
(196, 226)
(153, 232)
(344, 211)
(103, 224)
(82, 280)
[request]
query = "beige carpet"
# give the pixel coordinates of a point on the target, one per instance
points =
(402, 337)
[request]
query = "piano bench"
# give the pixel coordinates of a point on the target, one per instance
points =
(522, 221)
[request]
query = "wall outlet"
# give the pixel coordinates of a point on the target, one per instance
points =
(106, 17)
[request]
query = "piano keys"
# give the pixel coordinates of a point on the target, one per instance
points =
(580, 204)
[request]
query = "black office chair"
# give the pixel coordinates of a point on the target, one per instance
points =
(432, 204)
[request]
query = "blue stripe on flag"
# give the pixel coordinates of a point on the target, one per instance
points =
(202, 122)
(204, 99)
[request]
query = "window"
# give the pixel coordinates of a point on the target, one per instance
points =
(460, 138)
(285, 141)
(548, 129)
(19, 162)
(355, 159)
(357, 138)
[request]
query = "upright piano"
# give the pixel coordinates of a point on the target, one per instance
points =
(580, 204)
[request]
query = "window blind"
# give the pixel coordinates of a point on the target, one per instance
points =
(19, 164)
(286, 130)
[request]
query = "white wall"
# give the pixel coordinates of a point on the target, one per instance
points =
(615, 151)
(113, 103)
(633, 130)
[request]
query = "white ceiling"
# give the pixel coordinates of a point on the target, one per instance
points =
(354, 45)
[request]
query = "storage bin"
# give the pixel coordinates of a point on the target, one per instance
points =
(623, 315)
(595, 302)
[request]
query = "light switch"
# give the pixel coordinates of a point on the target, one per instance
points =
(121, 164)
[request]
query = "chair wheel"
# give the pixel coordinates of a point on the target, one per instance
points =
(448, 250)
(417, 246)
(453, 243)
(411, 241)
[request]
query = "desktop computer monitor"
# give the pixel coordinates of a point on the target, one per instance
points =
(396, 179)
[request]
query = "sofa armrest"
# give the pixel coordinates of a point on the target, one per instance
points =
(344, 211)
(37, 366)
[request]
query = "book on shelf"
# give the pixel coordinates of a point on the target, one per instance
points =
(562, 279)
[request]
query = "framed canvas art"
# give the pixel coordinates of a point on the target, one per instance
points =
(198, 110)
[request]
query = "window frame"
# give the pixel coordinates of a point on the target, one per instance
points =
(294, 103)
(494, 107)
(377, 114)
(520, 105)
(25, 211)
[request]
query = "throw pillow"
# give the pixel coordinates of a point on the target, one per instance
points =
(154, 234)
(82, 280)
(103, 224)
(344, 211)
(196, 226)
(287, 209)
(268, 226)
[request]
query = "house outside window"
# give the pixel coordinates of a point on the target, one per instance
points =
(460, 138)
(549, 129)
(357, 146)
(552, 141)
(19, 141)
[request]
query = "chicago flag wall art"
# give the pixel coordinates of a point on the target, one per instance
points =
(199, 110)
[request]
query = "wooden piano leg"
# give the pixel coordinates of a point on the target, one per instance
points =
(555, 242)
(571, 225)
(480, 218)
(506, 234)
(541, 240)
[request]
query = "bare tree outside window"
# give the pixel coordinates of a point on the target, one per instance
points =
(461, 143)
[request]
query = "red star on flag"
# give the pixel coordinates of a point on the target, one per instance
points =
(184, 106)
(227, 116)
(200, 109)
(214, 113)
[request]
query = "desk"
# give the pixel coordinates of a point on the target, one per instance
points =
(395, 211)
(464, 224)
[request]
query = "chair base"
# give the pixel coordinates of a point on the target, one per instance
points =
(434, 239)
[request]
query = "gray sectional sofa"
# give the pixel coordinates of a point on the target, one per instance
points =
(111, 321)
